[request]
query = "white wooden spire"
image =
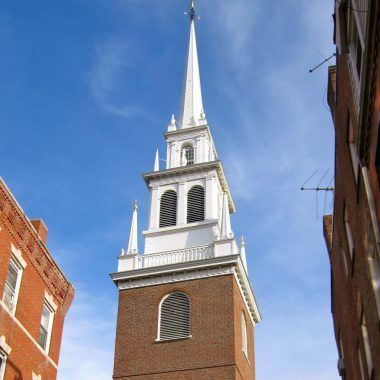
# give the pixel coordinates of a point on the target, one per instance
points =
(132, 242)
(191, 110)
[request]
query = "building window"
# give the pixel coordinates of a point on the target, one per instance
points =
(374, 267)
(377, 154)
(12, 284)
(196, 204)
(168, 209)
(344, 259)
(367, 348)
(187, 155)
(350, 239)
(361, 364)
(244, 337)
(3, 360)
(174, 317)
(351, 140)
(46, 326)
(341, 364)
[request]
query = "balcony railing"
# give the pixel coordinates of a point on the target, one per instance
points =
(173, 257)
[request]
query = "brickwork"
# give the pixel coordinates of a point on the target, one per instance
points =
(210, 353)
(350, 233)
(40, 277)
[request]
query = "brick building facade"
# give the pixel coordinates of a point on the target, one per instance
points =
(352, 233)
(34, 296)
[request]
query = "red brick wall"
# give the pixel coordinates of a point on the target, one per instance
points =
(353, 292)
(25, 356)
(208, 354)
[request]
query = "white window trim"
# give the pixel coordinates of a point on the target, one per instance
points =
(158, 339)
(50, 327)
(36, 377)
(244, 335)
(367, 347)
(350, 239)
(5, 351)
(344, 258)
(20, 264)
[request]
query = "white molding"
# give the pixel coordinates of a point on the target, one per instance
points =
(50, 300)
(36, 377)
(178, 228)
(166, 274)
(18, 256)
(4, 346)
(26, 332)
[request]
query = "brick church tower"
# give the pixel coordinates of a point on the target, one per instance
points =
(186, 307)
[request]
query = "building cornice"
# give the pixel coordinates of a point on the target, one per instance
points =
(186, 271)
(19, 226)
(182, 170)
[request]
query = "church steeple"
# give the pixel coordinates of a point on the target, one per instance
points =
(191, 111)
(191, 268)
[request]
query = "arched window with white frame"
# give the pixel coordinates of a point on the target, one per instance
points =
(174, 317)
(187, 155)
(168, 209)
(244, 337)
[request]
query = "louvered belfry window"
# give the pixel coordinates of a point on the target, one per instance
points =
(168, 209)
(174, 320)
(196, 204)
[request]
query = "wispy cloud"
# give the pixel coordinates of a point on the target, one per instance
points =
(88, 338)
(113, 61)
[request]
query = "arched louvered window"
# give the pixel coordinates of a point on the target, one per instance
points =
(196, 204)
(244, 340)
(168, 209)
(187, 155)
(174, 317)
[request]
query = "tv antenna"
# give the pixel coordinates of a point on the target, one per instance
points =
(319, 188)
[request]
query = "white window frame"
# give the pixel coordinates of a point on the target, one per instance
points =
(5, 351)
(344, 258)
(367, 347)
(360, 358)
(353, 149)
(159, 339)
(51, 309)
(350, 239)
(244, 335)
(374, 268)
(19, 264)
(36, 377)
(3, 356)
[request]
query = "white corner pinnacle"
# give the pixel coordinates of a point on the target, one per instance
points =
(172, 124)
(156, 162)
(226, 231)
(191, 110)
(242, 254)
(132, 242)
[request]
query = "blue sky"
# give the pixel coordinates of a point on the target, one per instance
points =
(87, 88)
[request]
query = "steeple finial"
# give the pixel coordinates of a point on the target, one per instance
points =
(132, 242)
(191, 10)
(191, 104)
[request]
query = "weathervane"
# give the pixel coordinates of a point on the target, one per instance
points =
(191, 11)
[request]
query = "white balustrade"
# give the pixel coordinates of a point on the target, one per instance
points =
(173, 257)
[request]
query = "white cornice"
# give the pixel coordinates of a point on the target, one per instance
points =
(180, 228)
(180, 170)
(216, 266)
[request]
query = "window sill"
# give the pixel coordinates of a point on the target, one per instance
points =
(172, 340)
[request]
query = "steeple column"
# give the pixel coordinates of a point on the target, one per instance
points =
(210, 199)
(154, 201)
(182, 204)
